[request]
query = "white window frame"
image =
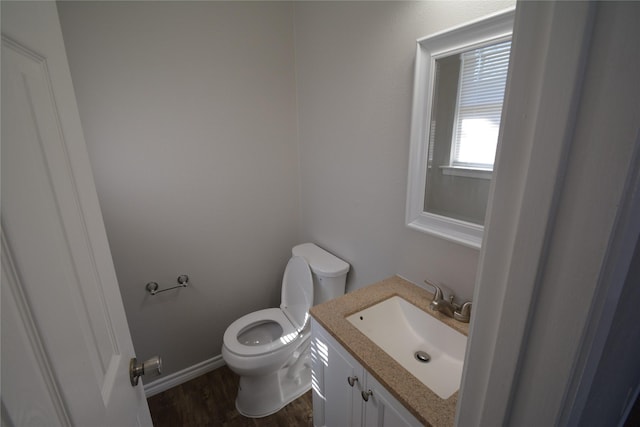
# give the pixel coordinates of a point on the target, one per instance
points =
(477, 33)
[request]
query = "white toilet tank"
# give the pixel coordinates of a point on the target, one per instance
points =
(329, 272)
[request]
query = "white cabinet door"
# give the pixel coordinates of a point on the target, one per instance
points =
(65, 340)
(339, 392)
(337, 403)
(383, 410)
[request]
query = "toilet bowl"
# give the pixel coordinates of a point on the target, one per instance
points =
(269, 348)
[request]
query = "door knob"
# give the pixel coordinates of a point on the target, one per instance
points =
(352, 380)
(151, 366)
(366, 394)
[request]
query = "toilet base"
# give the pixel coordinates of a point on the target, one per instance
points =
(265, 395)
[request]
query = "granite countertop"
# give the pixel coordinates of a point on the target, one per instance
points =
(423, 403)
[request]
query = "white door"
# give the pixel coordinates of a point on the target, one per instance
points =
(65, 340)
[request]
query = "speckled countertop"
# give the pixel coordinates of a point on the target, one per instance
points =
(423, 403)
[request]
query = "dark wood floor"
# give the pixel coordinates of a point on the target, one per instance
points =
(209, 400)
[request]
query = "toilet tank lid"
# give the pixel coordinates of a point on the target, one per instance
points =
(321, 262)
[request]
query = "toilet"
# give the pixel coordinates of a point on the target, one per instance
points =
(269, 348)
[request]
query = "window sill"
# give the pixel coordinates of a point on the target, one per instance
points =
(467, 172)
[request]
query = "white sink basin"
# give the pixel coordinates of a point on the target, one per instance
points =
(402, 329)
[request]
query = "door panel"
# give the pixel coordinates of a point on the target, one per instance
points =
(68, 315)
(23, 351)
(340, 397)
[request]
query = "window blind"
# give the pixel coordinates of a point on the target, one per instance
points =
(483, 77)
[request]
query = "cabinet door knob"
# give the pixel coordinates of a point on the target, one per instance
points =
(352, 380)
(366, 394)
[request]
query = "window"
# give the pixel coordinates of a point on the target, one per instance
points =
(483, 77)
(450, 207)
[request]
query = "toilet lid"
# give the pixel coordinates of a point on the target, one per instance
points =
(297, 291)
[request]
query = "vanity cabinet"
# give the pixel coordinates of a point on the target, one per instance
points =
(344, 393)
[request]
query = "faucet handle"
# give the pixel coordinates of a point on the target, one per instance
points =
(463, 313)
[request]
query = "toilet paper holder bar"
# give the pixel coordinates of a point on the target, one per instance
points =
(152, 287)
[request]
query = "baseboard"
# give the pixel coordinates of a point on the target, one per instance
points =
(177, 378)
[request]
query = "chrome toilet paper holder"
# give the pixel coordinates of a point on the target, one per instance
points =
(152, 287)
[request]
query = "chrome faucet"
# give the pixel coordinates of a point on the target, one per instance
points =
(461, 313)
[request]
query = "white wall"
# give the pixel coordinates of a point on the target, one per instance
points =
(561, 236)
(189, 115)
(189, 111)
(605, 137)
(354, 71)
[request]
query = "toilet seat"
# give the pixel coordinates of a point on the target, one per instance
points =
(292, 316)
(289, 332)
